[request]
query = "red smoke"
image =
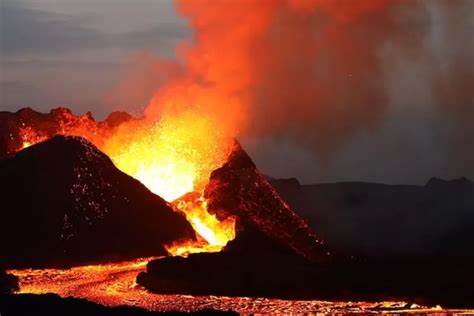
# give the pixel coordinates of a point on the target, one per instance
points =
(314, 70)
(307, 67)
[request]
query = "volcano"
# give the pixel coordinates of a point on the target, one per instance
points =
(65, 203)
(172, 157)
(77, 196)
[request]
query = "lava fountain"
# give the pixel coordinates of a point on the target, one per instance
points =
(174, 157)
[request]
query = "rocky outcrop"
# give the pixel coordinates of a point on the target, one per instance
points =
(251, 265)
(64, 203)
(241, 190)
(8, 283)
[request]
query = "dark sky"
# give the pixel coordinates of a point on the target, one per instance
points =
(75, 53)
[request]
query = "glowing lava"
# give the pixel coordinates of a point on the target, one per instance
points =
(113, 284)
(172, 156)
(215, 233)
(30, 137)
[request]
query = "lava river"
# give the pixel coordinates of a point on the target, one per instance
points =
(114, 284)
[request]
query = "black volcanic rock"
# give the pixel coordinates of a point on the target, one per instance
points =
(64, 202)
(251, 265)
(275, 253)
(241, 190)
(8, 283)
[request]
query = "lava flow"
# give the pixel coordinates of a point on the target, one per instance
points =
(114, 284)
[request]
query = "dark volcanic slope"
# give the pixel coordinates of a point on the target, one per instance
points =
(240, 189)
(64, 202)
(381, 220)
(275, 253)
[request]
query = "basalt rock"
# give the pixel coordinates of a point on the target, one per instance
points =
(63, 202)
(241, 190)
(251, 265)
(8, 283)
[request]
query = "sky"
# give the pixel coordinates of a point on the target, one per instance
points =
(76, 54)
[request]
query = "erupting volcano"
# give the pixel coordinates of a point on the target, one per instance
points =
(164, 206)
(173, 157)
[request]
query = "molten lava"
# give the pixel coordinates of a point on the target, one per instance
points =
(173, 157)
(113, 284)
(213, 233)
(30, 137)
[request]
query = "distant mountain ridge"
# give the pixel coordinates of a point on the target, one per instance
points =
(388, 220)
(63, 202)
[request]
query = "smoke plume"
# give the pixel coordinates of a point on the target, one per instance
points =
(316, 70)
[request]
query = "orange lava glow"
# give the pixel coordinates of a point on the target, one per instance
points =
(244, 54)
(172, 157)
(214, 234)
(30, 137)
(113, 284)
